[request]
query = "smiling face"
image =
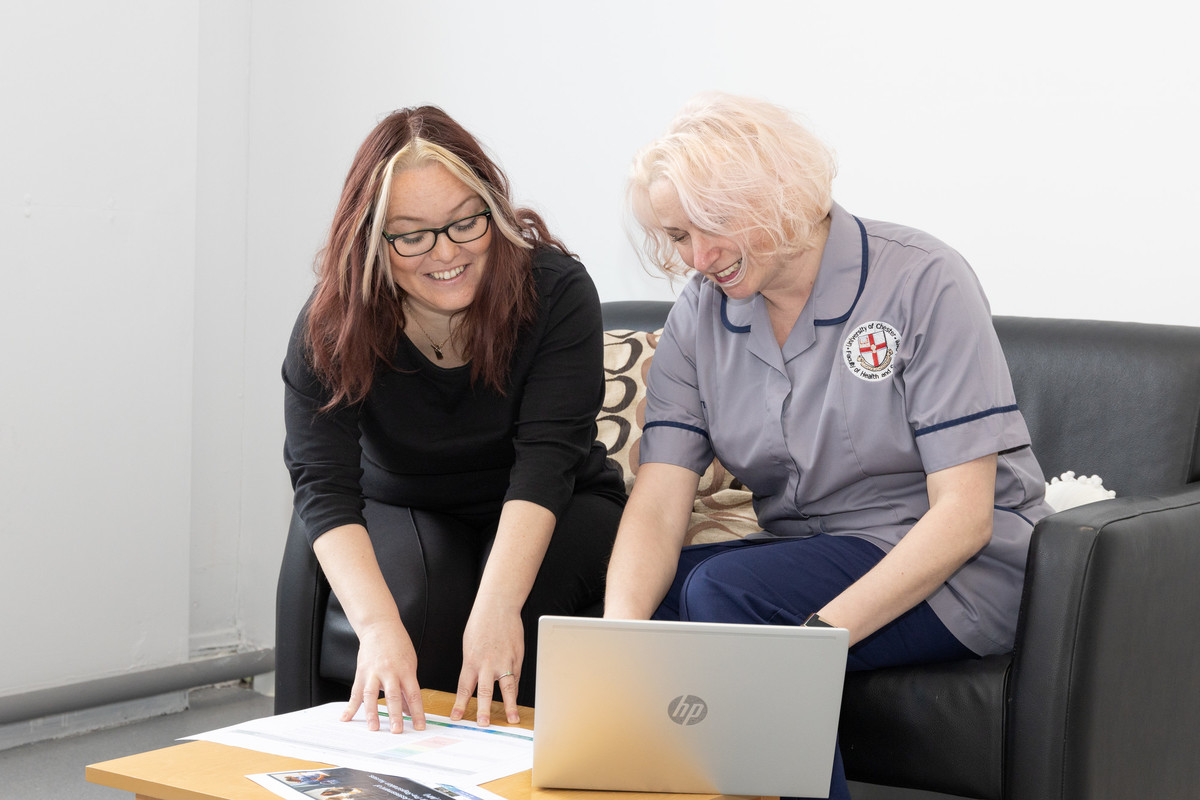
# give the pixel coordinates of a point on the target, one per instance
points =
(444, 280)
(718, 258)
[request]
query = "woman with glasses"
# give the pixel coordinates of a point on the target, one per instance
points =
(442, 385)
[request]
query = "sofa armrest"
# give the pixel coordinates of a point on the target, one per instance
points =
(1105, 689)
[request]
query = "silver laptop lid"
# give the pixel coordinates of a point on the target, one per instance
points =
(687, 706)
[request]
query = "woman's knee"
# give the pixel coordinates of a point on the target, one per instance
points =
(776, 581)
(723, 589)
(571, 576)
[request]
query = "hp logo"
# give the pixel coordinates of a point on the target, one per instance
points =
(687, 710)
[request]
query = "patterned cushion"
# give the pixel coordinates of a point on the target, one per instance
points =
(723, 508)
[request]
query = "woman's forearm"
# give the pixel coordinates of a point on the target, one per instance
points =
(652, 530)
(956, 527)
(522, 536)
(348, 561)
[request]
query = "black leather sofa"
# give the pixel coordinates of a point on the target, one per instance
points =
(1101, 698)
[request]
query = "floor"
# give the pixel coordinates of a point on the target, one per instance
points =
(53, 770)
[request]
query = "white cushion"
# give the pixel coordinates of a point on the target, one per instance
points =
(1068, 491)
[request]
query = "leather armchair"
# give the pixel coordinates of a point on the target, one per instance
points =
(1101, 697)
(301, 598)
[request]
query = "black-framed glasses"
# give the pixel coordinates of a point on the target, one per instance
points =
(461, 231)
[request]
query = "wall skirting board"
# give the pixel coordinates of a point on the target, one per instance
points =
(163, 689)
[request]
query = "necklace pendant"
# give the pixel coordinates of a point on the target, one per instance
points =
(437, 351)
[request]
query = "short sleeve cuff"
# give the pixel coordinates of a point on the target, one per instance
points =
(665, 442)
(958, 441)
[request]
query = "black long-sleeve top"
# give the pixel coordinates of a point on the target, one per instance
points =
(425, 437)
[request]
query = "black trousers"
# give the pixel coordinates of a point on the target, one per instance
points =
(432, 563)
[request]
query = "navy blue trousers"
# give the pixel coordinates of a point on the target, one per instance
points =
(782, 581)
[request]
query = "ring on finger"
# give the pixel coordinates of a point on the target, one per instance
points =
(505, 675)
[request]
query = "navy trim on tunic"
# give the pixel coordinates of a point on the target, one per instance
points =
(963, 420)
(862, 281)
(725, 318)
(680, 425)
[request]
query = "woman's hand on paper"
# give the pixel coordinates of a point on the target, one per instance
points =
(493, 651)
(387, 663)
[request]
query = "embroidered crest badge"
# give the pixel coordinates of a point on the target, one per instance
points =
(870, 351)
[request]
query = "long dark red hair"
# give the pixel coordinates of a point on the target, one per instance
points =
(357, 311)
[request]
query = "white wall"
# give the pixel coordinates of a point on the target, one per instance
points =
(1050, 142)
(174, 167)
(219, 565)
(97, 248)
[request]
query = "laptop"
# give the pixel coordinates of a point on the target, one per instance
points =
(649, 706)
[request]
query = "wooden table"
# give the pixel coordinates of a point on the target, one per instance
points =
(211, 771)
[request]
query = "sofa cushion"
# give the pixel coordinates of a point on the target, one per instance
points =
(723, 507)
(935, 727)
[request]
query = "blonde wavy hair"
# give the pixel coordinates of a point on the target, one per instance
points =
(743, 168)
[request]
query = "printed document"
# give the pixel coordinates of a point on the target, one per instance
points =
(342, 783)
(460, 753)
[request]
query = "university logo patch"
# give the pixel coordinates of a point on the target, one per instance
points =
(870, 351)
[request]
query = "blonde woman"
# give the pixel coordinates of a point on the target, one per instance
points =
(846, 371)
